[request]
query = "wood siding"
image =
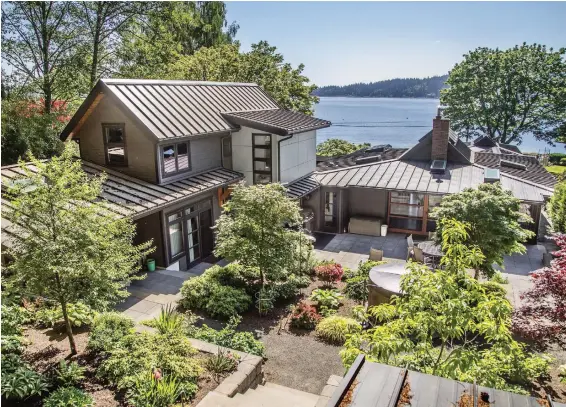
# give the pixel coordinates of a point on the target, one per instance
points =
(139, 143)
(148, 228)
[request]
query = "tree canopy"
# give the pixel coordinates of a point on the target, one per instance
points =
(494, 217)
(557, 208)
(66, 245)
(335, 147)
(448, 324)
(508, 94)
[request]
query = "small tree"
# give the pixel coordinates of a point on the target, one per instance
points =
(256, 229)
(557, 208)
(335, 146)
(67, 245)
(542, 316)
(494, 220)
(448, 324)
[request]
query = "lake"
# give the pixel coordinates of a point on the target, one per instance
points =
(399, 122)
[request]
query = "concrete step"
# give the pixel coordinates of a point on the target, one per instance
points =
(273, 395)
(303, 395)
(214, 399)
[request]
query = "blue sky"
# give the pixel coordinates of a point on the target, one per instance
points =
(347, 42)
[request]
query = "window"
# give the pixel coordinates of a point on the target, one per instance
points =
(330, 209)
(175, 158)
(410, 211)
(261, 147)
(115, 144)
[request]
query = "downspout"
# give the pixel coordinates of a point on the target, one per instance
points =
(279, 156)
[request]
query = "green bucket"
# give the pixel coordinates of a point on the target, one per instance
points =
(150, 264)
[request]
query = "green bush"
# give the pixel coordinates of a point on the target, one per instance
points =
(69, 374)
(290, 288)
(107, 330)
(13, 317)
(499, 278)
(225, 301)
(563, 161)
(22, 383)
(335, 329)
(557, 208)
(169, 321)
(221, 363)
(326, 298)
(228, 337)
(195, 292)
(68, 397)
(139, 353)
(79, 314)
(556, 158)
(494, 288)
(357, 281)
(147, 391)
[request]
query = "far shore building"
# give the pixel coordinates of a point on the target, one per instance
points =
(172, 149)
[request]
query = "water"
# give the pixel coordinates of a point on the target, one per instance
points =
(399, 122)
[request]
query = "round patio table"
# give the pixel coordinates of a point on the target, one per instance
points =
(384, 282)
(432, 250)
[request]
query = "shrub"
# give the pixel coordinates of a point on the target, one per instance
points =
(225, 301)
(335, 329)
(557, 208)
(22, 383)
(563, 161)
(304, 316)
(13, 317)
(139, 353)
(221, 363)
(195, 292)
(290, 288)
(68, 397)
(149, 391)
(499, 278)
(556, 158)
(493, 288)
(107, 330)
(168, 321)
(330, 273)
(79, 314)
(229, 338)
(327, 300)
(69, 374)
(357, 281)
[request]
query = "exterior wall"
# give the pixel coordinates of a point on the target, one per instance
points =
(298, 156)
(242, 154)
(368, 202)
(148, 228)
(313, 203)
(205, 154)
(140, 144)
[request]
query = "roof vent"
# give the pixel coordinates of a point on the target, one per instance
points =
(512, 164)
(491, 175)
(378, 149)
(438, 166)
(368, 159)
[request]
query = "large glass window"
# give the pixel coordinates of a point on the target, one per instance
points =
(407, 211)
(115, 144)
(330, 209)
(176, 158)
(262, 160)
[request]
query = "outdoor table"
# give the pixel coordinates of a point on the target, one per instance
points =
(384, 282)
(432, 250)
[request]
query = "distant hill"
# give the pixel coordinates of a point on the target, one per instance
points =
(392, 88)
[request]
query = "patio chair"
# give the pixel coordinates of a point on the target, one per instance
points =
(410, 247)
(418, 255)
(375, 254)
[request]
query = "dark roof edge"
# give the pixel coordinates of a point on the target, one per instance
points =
(268, 127)
(97, 89)
(118, 81)
(359, 166)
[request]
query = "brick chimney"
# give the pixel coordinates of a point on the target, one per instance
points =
(440, 133)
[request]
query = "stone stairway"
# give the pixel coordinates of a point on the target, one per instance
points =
(267, 395)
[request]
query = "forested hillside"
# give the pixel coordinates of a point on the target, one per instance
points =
(392, 88)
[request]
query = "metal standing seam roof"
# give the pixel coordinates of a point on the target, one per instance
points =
(380, 385)
(128, 196)
(278, 121)
(180, 108)
(415, 176)
(304, 186)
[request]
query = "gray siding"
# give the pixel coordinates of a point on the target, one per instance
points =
(368, 202)
(148, 228)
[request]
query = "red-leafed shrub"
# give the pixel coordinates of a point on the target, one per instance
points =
(542, 317)
(330, 272)
(304, 316)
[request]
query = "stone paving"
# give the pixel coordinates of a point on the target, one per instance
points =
(161, 287)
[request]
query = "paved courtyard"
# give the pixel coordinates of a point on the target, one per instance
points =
(161, 287)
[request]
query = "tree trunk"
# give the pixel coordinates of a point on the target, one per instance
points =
(96, 44)
(68, 328)
(45, 39)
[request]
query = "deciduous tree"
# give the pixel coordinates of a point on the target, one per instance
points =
(509, 94)
(542, 315)
(335, 147)
(494, 217)
(448, 324)
(256, 229)
(67, 246)
(557, 208)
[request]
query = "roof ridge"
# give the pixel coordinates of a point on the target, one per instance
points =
(129, 81)
(359, 166)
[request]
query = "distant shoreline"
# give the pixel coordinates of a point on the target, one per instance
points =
(377, 97)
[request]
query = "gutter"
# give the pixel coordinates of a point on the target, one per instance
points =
(279, 156)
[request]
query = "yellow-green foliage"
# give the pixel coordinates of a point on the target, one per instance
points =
(335, 329)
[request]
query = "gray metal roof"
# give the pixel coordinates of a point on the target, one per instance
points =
(179, 108)
(128, 196)
(415, 176)
(279, 121)
(304, 186)
(379, 385)
(533, 169)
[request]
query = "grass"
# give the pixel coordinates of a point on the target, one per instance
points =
(556, 169)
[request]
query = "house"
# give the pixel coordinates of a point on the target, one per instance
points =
(170, 149)
(399, 187)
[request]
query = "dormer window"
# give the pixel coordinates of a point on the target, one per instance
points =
(175, 158)
(115, 144)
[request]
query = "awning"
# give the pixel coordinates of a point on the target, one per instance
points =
(302, 187)
(276, 121)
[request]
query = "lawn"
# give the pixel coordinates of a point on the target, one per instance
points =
(556, 169)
